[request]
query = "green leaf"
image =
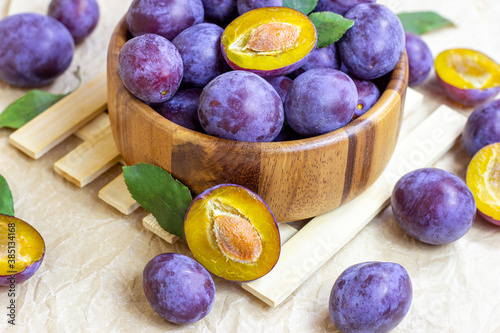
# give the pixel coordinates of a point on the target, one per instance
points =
(160, 194)
(303, 6)
(330, 27)
(6, 201)
(422, 22)
(27, 107)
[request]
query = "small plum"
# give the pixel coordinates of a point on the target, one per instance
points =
(325, 57)
(482, 127)
(150, 68)
(240, 105)
(182, 108)
(164, 18)
(220, 11)
(370, 297)
(79, 16)
(420, 60)
(178, 288)
(34, 49)
(433, 206)
(319, 101)
(374, 45)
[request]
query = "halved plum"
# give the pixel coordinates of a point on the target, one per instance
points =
(483, 179)
(21, 250)
(232, 232)
(269, 41)
(467, 76)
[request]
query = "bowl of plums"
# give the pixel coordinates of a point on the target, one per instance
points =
(263, 97)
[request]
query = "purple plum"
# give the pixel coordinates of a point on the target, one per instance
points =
(79, 16)
(201, 54)
(166, 18)
(220, 11)
(374, 45)
(368, 95)
(247, 5)
(433, 206)
(241, 105)
(370, 297)
(34, 49)
(326, 57)
(177, 287)
(482, 127)
(281, 84)
(182, 108)
(319, 101)
(150, 68)
(420, 60)
(338, 6)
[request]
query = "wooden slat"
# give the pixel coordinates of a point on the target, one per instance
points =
(62, 119)
(117, 195)
(150, 223)
(413, 100)
(94, 128)
(89, 160)
(324, 235)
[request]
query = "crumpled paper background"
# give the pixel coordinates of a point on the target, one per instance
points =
(90, 279)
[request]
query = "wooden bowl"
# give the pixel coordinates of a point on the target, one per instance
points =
(298, 179)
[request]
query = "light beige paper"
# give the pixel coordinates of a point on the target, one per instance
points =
(90, 280)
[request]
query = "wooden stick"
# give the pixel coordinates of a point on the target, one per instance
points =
(149, 222)
(324, 235)
(89, 160)
(117, 195)
(62, 119)
(94, 128)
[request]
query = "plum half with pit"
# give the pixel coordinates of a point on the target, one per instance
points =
(420, 60)
(320, 101)
(374, 45)
(178, 288)
(150, 67)
(164, 18)
(34, 49)
(232, 232)
(199, 47)
(182, 108)
(370, 297)
(482, 127)
(242, 106)
(79, 16)
(433, 206)
(22, 250)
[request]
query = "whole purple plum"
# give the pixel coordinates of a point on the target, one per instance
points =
(166, 18)
(320, 101)
(34, 49)
(182, 108)
(433, 206)
(482, 127)
(281, 84)
(201, 54)
(79, 16)
(420, 60)
(325, 57)
(220, 11)
(150, 68)
(374, 45)
(338, 6)
(177, 287)
(370, 297)
(247, 5)
(368, 95)
(241, 105)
